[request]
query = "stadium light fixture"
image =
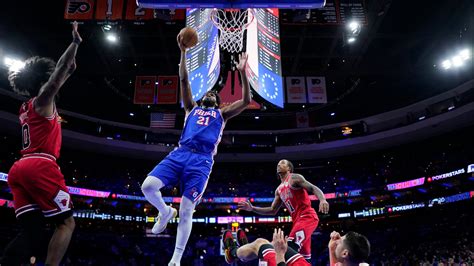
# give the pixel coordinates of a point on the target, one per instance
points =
(107, 27)
(111, 37)
(465, 54)
(14, 64)
(354, 27)
(457, 60)
(446, 64)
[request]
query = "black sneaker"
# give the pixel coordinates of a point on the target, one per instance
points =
(229, 244)
(242, 238)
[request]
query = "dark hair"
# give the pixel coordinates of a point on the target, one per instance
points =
(218, 97)
(28, 80)
(358, 246)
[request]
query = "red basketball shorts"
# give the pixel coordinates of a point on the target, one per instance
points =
(37, 183)
(301, 233)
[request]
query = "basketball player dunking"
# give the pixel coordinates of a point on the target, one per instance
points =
(38, 186)
(191, 163)
(293, 192)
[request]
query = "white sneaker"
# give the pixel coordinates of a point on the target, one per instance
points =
(163, 220)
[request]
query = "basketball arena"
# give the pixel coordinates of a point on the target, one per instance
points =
(231, 132)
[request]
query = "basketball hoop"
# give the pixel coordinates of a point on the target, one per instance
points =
(231, 24)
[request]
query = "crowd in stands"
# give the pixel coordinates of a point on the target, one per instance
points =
(362, 171)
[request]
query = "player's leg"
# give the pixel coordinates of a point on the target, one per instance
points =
(266, 253)
(61, 238)
(254, 250)
(246, 252)
(165, 173)
(151, 189)
(300, 236)
(185, 225)
(293, 258)
(54, 200)
(28, 242)
(194, 180)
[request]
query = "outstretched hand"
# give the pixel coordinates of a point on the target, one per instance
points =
(242, 62)
(75, 34)
(245, 205)
(324, 207)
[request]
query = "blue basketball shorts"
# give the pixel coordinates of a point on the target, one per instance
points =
(188, 168)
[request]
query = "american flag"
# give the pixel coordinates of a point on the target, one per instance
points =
(162, 120)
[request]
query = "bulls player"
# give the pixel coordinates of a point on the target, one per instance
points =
(293, 192)
(190, 164)
(272, 253)
(38, 186)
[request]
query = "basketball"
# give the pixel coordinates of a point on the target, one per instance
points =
(189, 37)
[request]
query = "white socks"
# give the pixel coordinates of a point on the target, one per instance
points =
(151, 189)
(186, 210)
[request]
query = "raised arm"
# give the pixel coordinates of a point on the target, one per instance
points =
(272, 210)
(238, 106)
(186, 93)
(299, 181)
(44, 104)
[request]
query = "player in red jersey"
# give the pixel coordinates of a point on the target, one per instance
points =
(269, 254)
(293, 192)
(37, 184)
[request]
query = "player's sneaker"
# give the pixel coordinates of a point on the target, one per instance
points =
(229, 244)
(242, 238)
(163, 220)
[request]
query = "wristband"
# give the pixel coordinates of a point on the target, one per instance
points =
(76, 41)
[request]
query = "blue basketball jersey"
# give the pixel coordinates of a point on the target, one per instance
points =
(203, 130)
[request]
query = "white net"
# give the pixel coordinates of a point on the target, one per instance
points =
(231, 24)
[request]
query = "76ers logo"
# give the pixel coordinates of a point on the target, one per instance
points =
(78, 6)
